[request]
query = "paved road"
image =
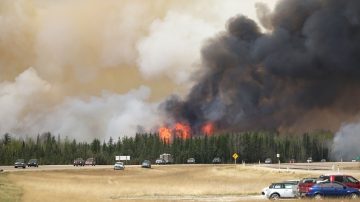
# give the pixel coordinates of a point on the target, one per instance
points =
(326, 166)
(52, 167)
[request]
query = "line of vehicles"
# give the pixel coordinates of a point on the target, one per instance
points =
(20, 163)
(308, 160)
(163, 159)
(81, 162)
(324, 186)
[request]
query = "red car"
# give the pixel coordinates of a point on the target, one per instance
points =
(304, 185)
(348, 180)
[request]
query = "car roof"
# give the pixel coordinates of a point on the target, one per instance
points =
(334, 174)
(283, 183)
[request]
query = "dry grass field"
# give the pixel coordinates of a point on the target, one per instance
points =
(8, 190)
(161, 183)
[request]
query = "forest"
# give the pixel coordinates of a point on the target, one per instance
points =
(251, 147)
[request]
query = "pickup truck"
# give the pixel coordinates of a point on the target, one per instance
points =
(304, 186)
(347, 180)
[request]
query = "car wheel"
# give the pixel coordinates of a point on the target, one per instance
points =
(15, 167)
(318, 197)
(354, 196)
(275, 197)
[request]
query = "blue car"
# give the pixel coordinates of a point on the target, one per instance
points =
(332, 189)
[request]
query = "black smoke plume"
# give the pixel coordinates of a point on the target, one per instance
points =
(306, 65)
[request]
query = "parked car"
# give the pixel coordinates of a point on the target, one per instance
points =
(190, 160)
(280, 190)
(146, 164)
(332, 189)
(119, 166)
(160, 161)
(323, 160)
(304, 186)
(292, 161)
(268, 161)
(90, 162)
(33, 163)
(20, 163)
(216, 160)
(348, 180)
(309, 160)
(79, 162)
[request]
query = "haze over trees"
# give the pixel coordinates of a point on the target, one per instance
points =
(252, 147)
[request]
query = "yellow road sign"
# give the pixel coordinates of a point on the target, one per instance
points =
(235, 156)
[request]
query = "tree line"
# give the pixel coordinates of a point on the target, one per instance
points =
(251, 147)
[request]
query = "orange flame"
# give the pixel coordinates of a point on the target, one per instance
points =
(165, 134)
(208, 129)
(182, 130)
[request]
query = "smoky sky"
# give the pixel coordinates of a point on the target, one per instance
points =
(307, 62)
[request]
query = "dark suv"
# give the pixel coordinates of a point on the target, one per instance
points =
(79, 162)
(33, 162)
(20, 163)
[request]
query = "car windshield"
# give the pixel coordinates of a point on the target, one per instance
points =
(146, 161)
(308, 181)
(351, 179)
(32, 160)
(20, 160)
(89, 159)
(119, 163)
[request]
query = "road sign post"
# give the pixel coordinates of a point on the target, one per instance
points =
(278, 156)
(235, 156)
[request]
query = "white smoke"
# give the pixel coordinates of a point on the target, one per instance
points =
(19, 99)
(346, 145)
(109, 115)
(173, 47)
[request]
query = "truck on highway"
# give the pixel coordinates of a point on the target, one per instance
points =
(167, 158)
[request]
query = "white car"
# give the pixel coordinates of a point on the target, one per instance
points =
(280, 190)
(119, 166)
(160, 161)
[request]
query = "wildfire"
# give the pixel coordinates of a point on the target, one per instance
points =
(208, 129)
(182, 130)
(165, 134)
